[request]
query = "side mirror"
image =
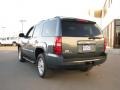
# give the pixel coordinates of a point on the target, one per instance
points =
(21, 35)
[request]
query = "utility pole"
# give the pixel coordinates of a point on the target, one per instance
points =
(22, 21)
(3, 31)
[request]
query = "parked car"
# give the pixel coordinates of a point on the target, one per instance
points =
(63, 42)
(0, 41)
(9, 41)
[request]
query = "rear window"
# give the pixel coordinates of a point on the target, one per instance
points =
(79, 29)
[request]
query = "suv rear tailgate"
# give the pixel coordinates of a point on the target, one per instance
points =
(81, 40)
(78, 47)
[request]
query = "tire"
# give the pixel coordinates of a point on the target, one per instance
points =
(14, 44)
(41, 66)
(86, 68)
(20, 56)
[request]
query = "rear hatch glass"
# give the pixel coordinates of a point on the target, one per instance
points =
(73, 28)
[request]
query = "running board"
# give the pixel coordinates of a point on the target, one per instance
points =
(29, 60)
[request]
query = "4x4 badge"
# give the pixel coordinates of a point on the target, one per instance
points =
(68, 51)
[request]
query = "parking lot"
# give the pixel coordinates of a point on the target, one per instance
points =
(15, 75)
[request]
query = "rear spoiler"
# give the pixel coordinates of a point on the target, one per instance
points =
(78, 20)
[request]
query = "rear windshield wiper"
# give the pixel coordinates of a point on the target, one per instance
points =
(94, 37)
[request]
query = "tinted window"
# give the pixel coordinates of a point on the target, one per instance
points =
(95, 30)
(49, 28)
(79, 29)
(38, 29)
(36, 32)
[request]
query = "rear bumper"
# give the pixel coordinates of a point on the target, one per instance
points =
(54, 61)
(95, 61)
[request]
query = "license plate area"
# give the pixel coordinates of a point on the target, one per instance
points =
(86, 48)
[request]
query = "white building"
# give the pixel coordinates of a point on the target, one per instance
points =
(109, 16)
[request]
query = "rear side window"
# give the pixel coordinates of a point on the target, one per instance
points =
(49, 28)
(79, 29)
(38, 30)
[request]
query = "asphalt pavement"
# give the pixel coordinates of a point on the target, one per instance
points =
(15, 75)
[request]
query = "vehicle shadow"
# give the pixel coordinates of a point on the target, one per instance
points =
(70, 74)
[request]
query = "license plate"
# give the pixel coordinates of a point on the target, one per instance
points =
(86, 48)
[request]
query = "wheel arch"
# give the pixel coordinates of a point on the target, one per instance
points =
(38, 51)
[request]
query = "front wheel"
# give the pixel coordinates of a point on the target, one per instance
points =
(14, 44)
(41, 65)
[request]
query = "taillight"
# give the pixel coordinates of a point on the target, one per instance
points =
(58, 46)
(105, 43)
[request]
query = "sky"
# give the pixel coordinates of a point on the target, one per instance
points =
(33, 11)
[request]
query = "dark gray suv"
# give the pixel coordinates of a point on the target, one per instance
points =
(63, 42)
